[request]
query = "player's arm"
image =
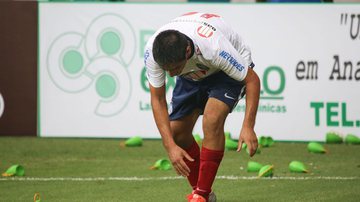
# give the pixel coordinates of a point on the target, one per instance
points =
(161, 116)
(160, 113)
(247, 133)
(156, 78)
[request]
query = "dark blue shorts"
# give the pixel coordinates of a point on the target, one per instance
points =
(189, 95)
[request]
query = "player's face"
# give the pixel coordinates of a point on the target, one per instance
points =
(176, 68)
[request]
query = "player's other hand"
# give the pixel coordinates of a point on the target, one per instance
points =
(248, 136)
(177, 156)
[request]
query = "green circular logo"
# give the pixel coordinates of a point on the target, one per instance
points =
(72, 62)
(110, 42)
(106, 86)
(96, 58)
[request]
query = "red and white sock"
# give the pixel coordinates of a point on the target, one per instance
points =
(194, 152)
(209, 164)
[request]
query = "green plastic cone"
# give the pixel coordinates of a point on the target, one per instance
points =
(231, 144)
(227, 135)
(270, 141)
(134, 142)
(333, 138)
(315, 147)
(266, 141)
(253, 166)
(14, 170)
(266, 171)
(297, 167)
(161, 164)
(197, 139)
(262, 141)
(352, 139)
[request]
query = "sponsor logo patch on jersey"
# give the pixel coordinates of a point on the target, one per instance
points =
(205, 31)
(146, 56)
(229, 58)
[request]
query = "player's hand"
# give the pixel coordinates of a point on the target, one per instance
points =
(248, 136)
(176, 156)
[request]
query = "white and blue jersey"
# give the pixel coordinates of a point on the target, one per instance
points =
(217, 47)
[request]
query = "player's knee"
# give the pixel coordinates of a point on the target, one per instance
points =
(178, 138)
(183, 140)
(212, 124)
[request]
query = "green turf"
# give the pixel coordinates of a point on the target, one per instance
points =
(45, 158)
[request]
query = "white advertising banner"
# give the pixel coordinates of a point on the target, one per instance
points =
(92, 81)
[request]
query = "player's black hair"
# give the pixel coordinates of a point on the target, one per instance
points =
(169, 47)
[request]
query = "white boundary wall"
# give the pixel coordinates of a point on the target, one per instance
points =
(92, 84)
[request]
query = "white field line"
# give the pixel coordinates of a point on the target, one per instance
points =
(168, 178)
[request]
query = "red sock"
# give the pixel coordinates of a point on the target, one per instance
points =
(209, 164)
(194, 152)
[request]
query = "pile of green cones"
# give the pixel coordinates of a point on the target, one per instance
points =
(336, 138)
(262, 170)
(266, 141)
(298, 166)
(267, 170)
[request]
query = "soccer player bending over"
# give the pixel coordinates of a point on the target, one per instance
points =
(213, 69)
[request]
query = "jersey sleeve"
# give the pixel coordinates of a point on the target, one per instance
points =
(223, 55)
(243, 49)
(154, 74)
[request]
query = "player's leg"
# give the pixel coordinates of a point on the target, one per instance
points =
(223, 93)
(215, 114)
(184, 113)
(182, 129)
(182, 133)
(212, 150)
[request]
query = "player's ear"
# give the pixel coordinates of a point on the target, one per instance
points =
(188, 50)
